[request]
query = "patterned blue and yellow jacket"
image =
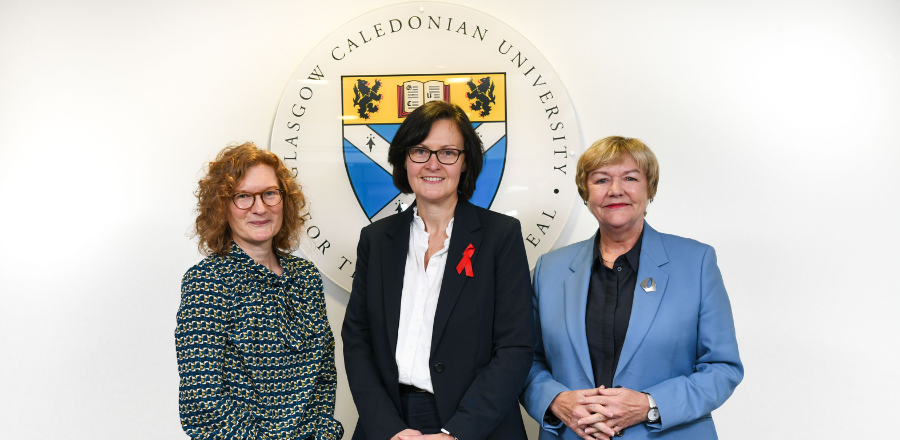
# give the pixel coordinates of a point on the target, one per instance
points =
(255, 351)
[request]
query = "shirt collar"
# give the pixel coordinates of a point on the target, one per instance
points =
(633, 256)
(241, 258)
(419, 224)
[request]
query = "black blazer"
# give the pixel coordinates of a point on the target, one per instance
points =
(482, 341)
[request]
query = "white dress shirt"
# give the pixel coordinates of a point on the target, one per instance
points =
(421, 289)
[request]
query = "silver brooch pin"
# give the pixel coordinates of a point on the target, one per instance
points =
(649, 285)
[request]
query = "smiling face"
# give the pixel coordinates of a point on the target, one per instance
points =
(617, 196)
(432, 182)
(255, 228)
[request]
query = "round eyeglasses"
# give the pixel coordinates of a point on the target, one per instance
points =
(446, 156)
(270, 197)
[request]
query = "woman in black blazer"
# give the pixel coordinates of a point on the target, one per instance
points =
(438, 334)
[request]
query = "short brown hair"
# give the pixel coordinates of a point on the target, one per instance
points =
(612, 150)
(216, 188)
(415, 129)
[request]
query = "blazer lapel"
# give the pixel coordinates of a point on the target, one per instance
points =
(643, 310)
(393, 255)
(575, 296)
(465, 225)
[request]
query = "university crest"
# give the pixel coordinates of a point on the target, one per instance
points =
(375, 106)
(347, 99)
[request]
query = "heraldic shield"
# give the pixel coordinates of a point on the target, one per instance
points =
(375, 106)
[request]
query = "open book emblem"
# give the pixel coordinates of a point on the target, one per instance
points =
(413, 93)
(372, 114)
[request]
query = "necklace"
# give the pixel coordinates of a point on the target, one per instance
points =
(606, 262)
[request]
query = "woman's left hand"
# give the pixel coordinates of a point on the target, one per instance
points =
(628, 408)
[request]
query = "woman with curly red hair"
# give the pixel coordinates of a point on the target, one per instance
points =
(255, 350)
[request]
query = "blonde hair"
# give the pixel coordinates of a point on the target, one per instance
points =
(612, 150)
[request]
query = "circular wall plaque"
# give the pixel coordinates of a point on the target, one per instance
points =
(344, 104)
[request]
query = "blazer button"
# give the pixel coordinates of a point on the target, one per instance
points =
(439, 368)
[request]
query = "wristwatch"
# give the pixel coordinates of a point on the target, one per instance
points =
(653, 414)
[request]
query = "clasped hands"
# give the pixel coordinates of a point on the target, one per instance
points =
(599, 413)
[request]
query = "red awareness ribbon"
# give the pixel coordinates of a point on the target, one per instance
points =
(466, 262)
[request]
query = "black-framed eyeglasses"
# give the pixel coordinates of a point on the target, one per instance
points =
(446, 156)
(271, 197)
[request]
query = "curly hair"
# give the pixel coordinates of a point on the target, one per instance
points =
(216, 188)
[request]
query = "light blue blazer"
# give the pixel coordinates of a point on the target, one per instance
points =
(680, 346)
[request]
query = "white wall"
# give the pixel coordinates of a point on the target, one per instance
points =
(776, 124)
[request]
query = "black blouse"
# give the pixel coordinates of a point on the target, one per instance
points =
(610, 297)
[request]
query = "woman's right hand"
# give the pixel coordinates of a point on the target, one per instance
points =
(406, 431)
(567, 409)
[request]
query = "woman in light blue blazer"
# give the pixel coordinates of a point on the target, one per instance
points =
(634, 331)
